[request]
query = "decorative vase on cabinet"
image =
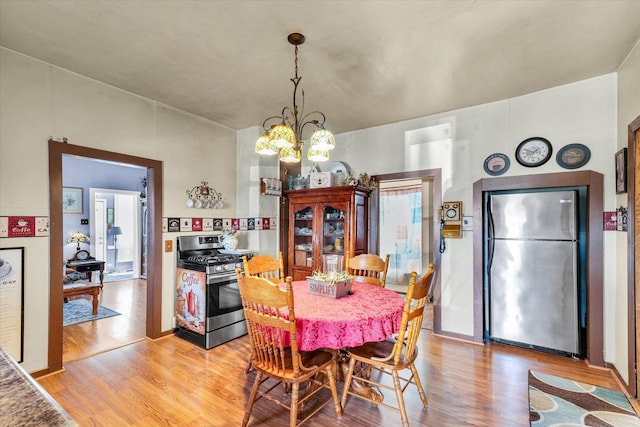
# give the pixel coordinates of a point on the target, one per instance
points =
(325, 221)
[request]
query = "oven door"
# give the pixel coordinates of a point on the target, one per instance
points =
(224, 304)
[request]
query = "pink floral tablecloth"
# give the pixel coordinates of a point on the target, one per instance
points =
(371, 314)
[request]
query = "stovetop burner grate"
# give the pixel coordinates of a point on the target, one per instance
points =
(213, 259)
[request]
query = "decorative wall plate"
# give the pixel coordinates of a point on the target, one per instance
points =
(573, 156)
(533, 152)
(341, 171)
(338, 167)
(496, 164)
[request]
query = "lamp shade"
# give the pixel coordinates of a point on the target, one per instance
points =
(323, 140)
(78, 238)
(282, 136)
(116, 231)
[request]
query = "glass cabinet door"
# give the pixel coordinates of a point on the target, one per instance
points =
(303, 237)
(333, 235)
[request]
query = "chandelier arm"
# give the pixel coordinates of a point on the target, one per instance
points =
(278, 118)
(286, 113)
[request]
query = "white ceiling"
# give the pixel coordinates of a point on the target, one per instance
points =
(364, 63)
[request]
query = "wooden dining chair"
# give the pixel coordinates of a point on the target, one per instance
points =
(368, 268)
(270, 317)
(265, 266)
(392, 356)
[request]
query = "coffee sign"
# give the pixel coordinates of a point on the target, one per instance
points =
(22, 226)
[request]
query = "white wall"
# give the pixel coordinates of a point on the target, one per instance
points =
(39, 101)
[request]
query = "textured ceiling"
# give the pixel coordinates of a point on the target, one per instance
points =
(365, 63)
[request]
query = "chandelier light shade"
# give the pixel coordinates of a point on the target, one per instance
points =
(289, 155)
(322, 139)
(265, 146)
(284, 136)
(78, 238)
(317, 154)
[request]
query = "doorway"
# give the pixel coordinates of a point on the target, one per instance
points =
(593, 182)
(406, 221)
(154, 273)
(389, 236)
(116, 219)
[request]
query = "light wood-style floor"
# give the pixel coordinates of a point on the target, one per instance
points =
(170, 381)
(127, 297)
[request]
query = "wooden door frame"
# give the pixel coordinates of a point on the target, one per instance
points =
(435, 175)
(633, 252)
(154, 274)
(595, 249)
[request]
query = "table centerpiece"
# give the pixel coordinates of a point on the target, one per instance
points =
(334, 284)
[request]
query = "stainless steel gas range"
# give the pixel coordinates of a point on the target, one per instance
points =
(208, 304)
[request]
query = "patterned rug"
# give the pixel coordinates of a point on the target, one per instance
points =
(117, 275)
(80, 310)
(559, 402)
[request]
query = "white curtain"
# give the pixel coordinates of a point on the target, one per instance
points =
(401, 229)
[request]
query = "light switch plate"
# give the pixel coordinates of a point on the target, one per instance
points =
(168, 245)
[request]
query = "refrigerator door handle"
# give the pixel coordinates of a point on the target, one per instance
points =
(490, 235)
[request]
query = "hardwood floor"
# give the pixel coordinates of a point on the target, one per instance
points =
(127, 297)
(170, 381)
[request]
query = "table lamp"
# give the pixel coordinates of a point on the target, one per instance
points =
(115, 231)
(78, 237)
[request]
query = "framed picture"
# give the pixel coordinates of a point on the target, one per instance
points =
(109, 216)
(12, 301)
(72, 200)
(621, 171)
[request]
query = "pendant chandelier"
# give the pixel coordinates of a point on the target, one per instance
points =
(284, 136)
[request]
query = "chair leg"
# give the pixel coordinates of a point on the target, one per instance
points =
(248, 368)
(293, 416)
(416, 379)
(334, 389)
(252, 399)
(347, 382)
(399, 396)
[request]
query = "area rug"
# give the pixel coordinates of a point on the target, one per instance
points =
(118, 275)
(555, 401)
(80, 310)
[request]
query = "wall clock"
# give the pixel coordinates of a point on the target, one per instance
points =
(573, 156)
(533, 152)
(496, 164)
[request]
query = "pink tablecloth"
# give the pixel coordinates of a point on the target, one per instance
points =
(371, 314)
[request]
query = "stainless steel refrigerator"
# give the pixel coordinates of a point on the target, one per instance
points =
(532, 284)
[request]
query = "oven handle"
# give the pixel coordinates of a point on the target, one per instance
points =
(222, 278)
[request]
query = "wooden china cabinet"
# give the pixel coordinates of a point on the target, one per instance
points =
(325, 221)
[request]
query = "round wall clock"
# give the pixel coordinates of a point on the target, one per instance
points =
(496, 164)
(573, 156)
(533, 152)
